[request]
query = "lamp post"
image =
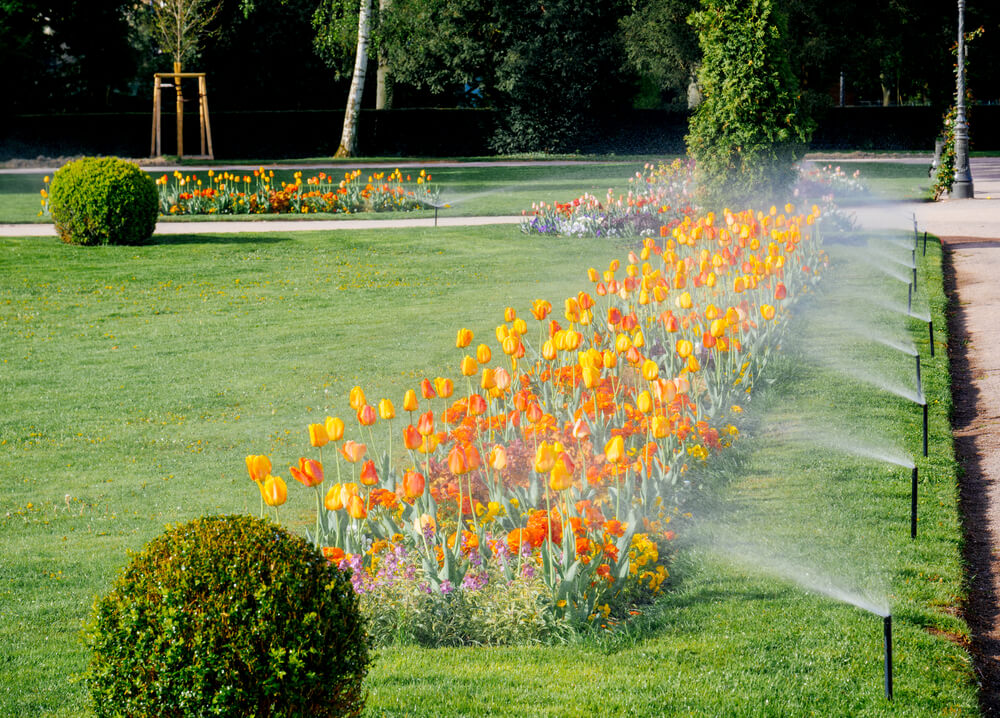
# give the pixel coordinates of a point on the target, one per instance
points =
(962, 187)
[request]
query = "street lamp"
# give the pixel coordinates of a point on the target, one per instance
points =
(962, 186)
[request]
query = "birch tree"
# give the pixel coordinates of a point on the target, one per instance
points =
(349, 135)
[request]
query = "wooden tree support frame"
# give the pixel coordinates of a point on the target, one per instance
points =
(156, 144)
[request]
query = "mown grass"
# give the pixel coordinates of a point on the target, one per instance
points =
(135, 380)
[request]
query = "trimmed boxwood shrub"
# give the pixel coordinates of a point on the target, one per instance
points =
(103, 200)
(228, 616)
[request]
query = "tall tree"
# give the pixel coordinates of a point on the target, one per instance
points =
(749, 131)
(349, 135)
(661, 44)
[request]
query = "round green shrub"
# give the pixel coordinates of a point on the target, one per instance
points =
(103, 200)
(228, 616)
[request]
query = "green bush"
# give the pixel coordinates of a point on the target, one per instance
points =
(228, 616)
(749, 131)
(103, 200)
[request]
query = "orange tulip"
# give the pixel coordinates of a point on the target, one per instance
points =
(581, 429)
(356, 398)
(644, 402)
(509, 314)
(445, 387)
(488, 379)
(332, 501)
(779, 291)
(413, 484)
(767, 311)
(540, 309)
(258, 467)
(427, 389)
(429, 443)
(693, 364)
(591, 376)
(369, 476)
(456, 461)
(356, 508)
(549, 350)
(366, 415)
(498, 458)
(477, 405)
(308, 472)
(502, 378)
(519, 327)
(386, 410)
(469, 366)
(660, 427)
(545, 458)
(464, 338)
(411, 437)
(410, 401)
(684, 348)
(614, 450)
(334, 428)
(353, 451)
(426, 423)
(534, 412)
(561, 475)
(483, 354)
(274, 490)
(318, 436)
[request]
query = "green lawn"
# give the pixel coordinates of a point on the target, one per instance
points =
(135, 380)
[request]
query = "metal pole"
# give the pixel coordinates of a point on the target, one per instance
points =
(930, 330)
(925, 427)
(913, 503)
(842, 93)
(962, 187)
(887, 636)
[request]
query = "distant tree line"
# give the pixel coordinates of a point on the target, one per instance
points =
(548, 65)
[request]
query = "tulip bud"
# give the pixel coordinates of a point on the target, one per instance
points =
(332, 500)
(357, 398)
(318, 436)
(498, 458)
(464, 338)
(660, 427)
(444, 387)
(356, 508)
(308, 472)
(334, 428)
(410, 401)
(386, 410)
(274, 491)
(469, 366)
(591, 376)
(650, 370)
(369, 476)
(366, 415)
(413, 484)
(644, 402)
(258, 467)
(483, 354)
(614, 450)
(426, 424)
(545, 458)
(411, 437)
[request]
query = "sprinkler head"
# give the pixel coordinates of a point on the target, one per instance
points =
(887, 644)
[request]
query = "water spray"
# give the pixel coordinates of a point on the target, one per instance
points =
(925, 424)
(887, 641)
(913, 503)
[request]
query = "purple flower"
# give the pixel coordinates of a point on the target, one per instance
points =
(446, 587)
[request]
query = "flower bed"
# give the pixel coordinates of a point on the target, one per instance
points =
(232, 193)
(547, 485)
(659, 195)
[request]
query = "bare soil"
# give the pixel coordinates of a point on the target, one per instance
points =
(972, 282)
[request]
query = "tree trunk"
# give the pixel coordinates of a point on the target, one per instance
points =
(349, 136)
(383, 87)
